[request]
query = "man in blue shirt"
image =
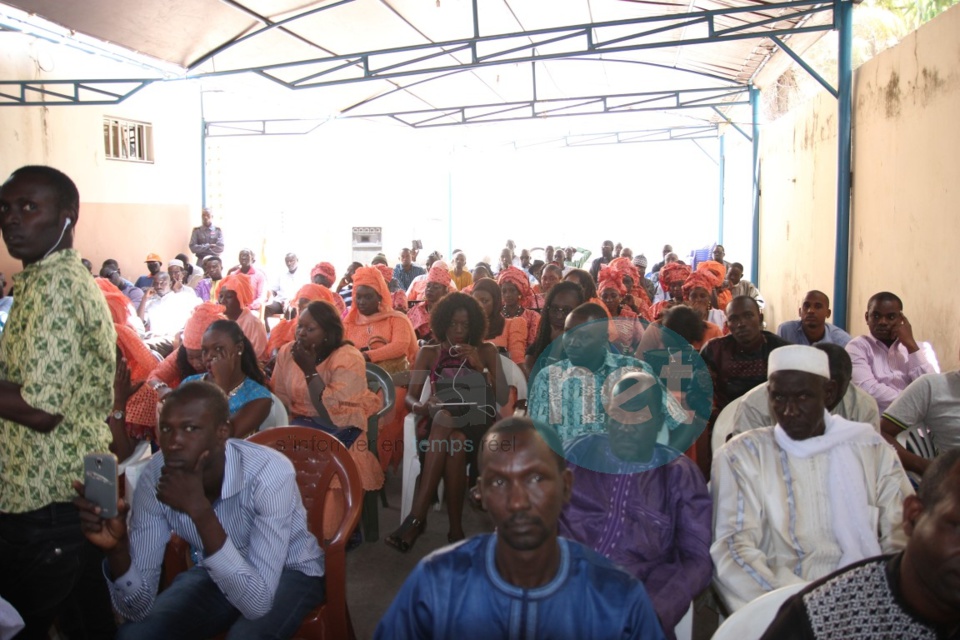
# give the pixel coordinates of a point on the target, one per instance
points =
(524, 580)
(812, 327)
(258, 569)
(406, 271)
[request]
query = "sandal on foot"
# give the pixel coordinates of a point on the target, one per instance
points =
(398, 540)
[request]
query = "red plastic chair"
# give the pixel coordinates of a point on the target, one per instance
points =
(318, 458)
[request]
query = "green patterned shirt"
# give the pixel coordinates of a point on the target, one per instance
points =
(59, 344)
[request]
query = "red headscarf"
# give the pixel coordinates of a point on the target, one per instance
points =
(439, 273)
(240, 285)
(139, 358)
(516, 277)
(698, 279)
(611, 278)
(673, 273)
(625, 267)
(202, 317)
(327, 270)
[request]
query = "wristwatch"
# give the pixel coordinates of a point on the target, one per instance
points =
(118, 414)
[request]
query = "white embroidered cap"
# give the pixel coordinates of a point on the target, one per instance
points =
(796, 357)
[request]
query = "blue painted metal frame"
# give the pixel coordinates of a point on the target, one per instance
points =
(668, 100)
(841, 273)
(78, 92)
(755, 243)
(721, 170)
(524, 46)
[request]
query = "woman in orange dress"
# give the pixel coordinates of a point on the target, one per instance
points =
(236, 296)
(385, 337)
(697, 291)
(672, 277)
(518, 300)
(286, 330)
(321, 378)
(398, 295)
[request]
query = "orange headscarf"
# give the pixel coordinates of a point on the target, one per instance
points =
(516, 277)
(385, 271)
(239, 283)
(139, 358)
(698, 279)
(327, 270)
(611, 278)
(714, 270)
(439, 273)
(202, 317)
(286, 330)
(625, 267)
(673, 273)
(371, 277)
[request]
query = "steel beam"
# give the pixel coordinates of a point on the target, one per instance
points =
(755, 245)
(667, 100)
(47, 93)
(582, 40)
(265, 127)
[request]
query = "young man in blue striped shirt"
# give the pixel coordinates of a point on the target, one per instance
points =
(258, 569)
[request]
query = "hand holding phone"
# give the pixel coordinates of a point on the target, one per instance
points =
(103, 533)
(100, 482)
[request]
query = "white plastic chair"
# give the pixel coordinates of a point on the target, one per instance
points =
(133, 467)
(919, 441)
(724, 425)
(514, 375)
(750, 622)
(277, 417)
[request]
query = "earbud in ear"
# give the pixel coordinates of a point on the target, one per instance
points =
(67, 223)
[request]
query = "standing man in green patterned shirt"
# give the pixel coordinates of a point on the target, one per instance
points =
(57, 361)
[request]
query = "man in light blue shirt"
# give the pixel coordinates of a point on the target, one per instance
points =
(812, 327)
(257, 567)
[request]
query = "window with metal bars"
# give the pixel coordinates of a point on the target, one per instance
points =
(127, 140)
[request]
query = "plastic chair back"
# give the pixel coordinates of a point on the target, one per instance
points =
(723, 427)
(749, 622)
(277, 417)
(319, 458)
(918, 441)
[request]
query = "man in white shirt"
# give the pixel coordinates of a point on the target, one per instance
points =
(164, 309)
(284, 286)
(795, 502)
(846, 400)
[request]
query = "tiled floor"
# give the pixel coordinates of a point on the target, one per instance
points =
(375, 571)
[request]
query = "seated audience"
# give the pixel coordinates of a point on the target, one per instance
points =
(133, 294)
(325, 275)
(523, 577)
(236, 296)
(286, 283)
(612, 292)
(416, 289)
(384, 336)
(345, 287)
(888, 359)
(438, 284)
(738, 362)
(406, 271)
(257, 278)
(641, 504)
(715, 273)
(843, 399)
(933, 402)
(508, 335)
(258, 569)
(518, 300)
(397, 295)
(208, 289)
(569, 395)
(740, 286)
(606, 255)
(550, 276)
(460, 368)
(797, 501)
(459, 275)
(154, 264)
(286, 330)
(322, 380)
(563, 298)
(672, 277)
(191, 275)
(231, 365)
(812, 328)
(164, 311)
(911, 594)
(698, 295)
(187, 359)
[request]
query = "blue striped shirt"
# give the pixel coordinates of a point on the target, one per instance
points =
(261, 511)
